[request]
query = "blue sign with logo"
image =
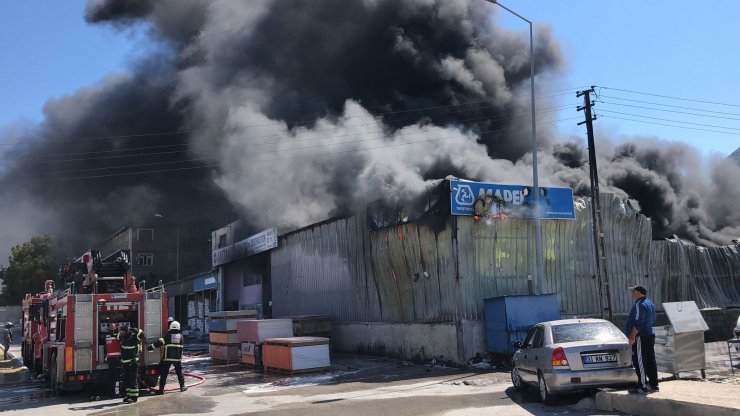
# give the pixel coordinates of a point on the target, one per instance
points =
(501, 201)
(205, 282)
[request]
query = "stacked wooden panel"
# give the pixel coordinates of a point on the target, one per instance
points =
(251, 354)
(312, 326)
(253, 333)
(296, 354)
(224, 341)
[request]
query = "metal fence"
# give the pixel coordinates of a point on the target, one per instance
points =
(440, 271)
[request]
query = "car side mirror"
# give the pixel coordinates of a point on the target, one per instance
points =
(518, 345)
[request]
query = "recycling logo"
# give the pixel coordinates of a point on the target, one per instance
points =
(464, 195)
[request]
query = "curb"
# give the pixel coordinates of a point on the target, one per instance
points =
(651, 406)
(20, 376)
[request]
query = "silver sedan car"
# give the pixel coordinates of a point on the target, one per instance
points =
(570, 355)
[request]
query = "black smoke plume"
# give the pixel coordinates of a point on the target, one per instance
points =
(291, 111)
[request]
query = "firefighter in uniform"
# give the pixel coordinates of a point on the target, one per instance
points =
(171, 356)
(7, 339)
(131, 339)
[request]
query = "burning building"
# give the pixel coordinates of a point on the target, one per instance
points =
(392, 279)
(287, 112)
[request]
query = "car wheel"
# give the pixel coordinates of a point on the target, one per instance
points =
(516, 380)
(545, 395)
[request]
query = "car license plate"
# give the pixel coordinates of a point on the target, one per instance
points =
(598, 359)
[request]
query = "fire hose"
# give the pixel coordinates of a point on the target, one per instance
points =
(200, 381)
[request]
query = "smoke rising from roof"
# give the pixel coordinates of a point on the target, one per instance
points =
(296, 110)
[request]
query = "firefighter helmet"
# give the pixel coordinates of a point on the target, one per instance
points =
(175, 326)
(8, 324)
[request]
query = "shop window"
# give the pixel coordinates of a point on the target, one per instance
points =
(222, 241)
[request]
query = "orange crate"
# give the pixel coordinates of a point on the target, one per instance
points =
(277, 356)
(296, 353)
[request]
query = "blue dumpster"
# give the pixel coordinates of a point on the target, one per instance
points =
(509, 318)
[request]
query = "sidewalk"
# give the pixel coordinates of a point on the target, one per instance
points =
(676, 397)
(13, 370)
(717, 395)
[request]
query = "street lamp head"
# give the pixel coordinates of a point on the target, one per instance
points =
(159, 215)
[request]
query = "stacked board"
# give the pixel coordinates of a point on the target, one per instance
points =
(224, 341)
(251, 354)
(296, 354)
(253, 333)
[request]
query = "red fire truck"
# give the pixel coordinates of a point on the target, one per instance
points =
(98, 292)
(34, 326)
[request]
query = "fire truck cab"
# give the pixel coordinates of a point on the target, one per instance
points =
(99, 292)
(34, 326)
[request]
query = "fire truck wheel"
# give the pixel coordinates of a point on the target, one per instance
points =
(152, 380)
(26, 355)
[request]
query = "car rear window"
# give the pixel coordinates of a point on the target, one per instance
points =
(586, 331)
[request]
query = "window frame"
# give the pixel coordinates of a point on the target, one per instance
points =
(150, 256)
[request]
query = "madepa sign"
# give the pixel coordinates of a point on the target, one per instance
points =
(266, 240)
(491, 199)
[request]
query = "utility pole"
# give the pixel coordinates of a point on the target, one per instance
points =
(605, 298)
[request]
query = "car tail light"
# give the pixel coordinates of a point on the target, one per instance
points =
(558, 358)
(152, 371)
(81, 377)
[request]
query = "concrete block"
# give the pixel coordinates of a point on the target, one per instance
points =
(404, 340)
(21, 375)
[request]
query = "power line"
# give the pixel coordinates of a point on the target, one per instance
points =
(488, 118)
(259, 153)
(669, 105)
(53, 159)
(264, 152)
(669, 97)
(545, 95)
(669, 111)
(672, 121)
(270, 160)
(671, 125)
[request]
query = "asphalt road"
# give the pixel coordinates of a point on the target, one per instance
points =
(356, 385)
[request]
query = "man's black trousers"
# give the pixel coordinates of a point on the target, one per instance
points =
(643, 359)
(164, 370)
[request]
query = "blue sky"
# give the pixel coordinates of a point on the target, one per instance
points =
(48, 51)
(676, 48)
(673, 48)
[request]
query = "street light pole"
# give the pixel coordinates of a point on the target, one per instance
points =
(535, 176)
(177, 253)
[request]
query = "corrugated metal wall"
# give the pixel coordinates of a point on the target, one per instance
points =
(324, 270)
(627, 237)
(708, 275)
(441, 270)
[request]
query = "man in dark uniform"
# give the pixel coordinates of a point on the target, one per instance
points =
(7, 339)
(639, 329)
(171, 356)
(131, 339)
